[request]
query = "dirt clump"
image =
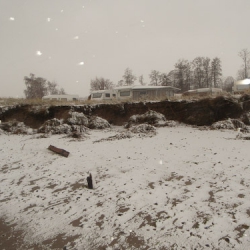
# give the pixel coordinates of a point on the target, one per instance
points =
(229, 124)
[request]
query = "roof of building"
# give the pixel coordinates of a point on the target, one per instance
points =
(60, 96)
(141, 87)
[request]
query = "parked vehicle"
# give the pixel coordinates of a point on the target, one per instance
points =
(99, 95)
(61, 97)
(241, 86)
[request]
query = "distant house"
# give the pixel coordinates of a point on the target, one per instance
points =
(241, 86)
(144, 92)
(202, 92)
(135, 93)
(61, 97)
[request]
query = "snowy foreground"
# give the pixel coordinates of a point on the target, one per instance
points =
(184, 188)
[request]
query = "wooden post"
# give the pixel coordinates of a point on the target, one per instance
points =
(90, 182)
(59, 151)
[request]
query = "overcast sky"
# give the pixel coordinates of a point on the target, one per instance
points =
(74, 41)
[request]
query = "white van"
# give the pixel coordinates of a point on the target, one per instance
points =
(103, 95)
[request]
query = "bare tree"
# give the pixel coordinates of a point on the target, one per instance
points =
(199, 72)
(183, 75)
(120, 83)
(172, 77)
(228, 84)
(155, 77)
(52, 88)
(128, 77)
(240, 74)
(36, 87)
(99, 83)
(245, 54)
(207, 72)
(164, 80)
(216, 72)
(141, 80)
(61, 91)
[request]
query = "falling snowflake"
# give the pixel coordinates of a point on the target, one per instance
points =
(56, 29)
(61, 11)
(83, 7)
(48, 19)
(142, 21)
(81, 63)
(38, 53)
(12, 19)
(77, 81)
(160, 162)
(76, 37)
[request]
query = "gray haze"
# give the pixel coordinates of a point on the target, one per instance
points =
(74, 41)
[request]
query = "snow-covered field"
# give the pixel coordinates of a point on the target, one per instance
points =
(184, 188)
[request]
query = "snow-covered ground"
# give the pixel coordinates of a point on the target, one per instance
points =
(183, 188)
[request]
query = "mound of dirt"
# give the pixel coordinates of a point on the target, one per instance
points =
(96, 122)
(56, 126)
(143, 128)
(78, 119)
(246, 118)
(229, 124)
(150, 117)
(1, 131)
(75, 125)
(15, 127)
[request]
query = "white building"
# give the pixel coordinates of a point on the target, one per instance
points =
(202, 91)
(241, 86)
(134, 93)
(61, 97)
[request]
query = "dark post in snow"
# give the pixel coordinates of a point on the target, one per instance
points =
(89, 180)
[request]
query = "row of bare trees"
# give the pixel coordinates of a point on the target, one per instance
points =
(99, 83)
(37, 87)
(196, 74)
(202, 72)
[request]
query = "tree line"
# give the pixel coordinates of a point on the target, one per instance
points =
(202, 72)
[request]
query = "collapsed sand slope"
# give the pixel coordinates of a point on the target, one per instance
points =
(181, 189)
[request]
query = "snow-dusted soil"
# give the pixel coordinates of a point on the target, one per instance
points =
(183, 188)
